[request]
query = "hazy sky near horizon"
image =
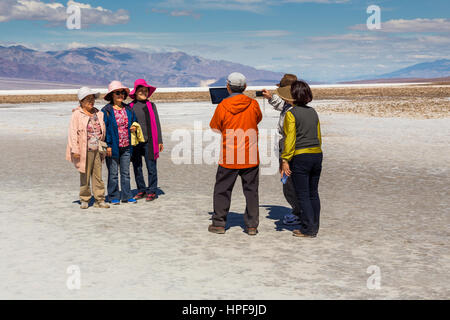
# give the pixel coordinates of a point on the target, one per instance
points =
(320, 40)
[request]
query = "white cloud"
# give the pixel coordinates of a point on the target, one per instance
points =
(180, 35)
(316, 1)
(255, 6)
(410, 26)
(434, 39)
(55, 12)
(76, 45)
(347, 37)
(177, 13)
(184, 13)
(267, 33)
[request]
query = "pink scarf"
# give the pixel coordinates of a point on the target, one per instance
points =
(154, 129)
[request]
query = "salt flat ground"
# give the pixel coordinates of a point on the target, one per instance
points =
(385, 203)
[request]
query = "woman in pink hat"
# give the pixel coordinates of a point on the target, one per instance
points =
(148, 119)
(118, 120)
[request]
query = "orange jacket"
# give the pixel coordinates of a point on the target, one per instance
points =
(237, 118)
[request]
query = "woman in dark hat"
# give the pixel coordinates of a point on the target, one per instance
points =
(292, 218)
(302, 154)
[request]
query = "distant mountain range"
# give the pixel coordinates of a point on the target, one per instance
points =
(438, 70)
(98, 66)
(426, 70)
(24, 68)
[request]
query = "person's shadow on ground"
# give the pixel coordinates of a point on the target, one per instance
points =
(90, 203)
(234, 220)
(277, 213)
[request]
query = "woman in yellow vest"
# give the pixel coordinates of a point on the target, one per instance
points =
(302, 155)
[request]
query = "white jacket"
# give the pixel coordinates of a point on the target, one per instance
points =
(280, 105)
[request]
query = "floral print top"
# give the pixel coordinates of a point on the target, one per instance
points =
(94, 132)
(122, 124)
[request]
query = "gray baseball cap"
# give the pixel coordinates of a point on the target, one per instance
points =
(85, 91)
(236, 79)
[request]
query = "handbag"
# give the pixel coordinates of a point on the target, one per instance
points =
(102, 146)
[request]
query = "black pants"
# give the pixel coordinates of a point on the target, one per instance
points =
(139, 151)
(288, 187)
(291, 196)
(306, 169)
(225, 179)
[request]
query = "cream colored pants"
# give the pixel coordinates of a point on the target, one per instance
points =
(94, 172)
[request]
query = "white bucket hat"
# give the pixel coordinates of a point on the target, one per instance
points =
(85, 91)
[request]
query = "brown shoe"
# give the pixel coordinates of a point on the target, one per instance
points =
(297, 233)
(84, 205)
(102, 205)
(252, 231)
(214, 229)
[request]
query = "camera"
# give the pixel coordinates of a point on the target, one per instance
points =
(259, 93)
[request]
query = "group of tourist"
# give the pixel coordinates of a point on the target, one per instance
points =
(122, 133)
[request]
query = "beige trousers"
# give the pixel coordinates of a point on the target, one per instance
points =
(94, 171)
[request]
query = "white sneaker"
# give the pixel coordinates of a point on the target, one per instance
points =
(291, 219)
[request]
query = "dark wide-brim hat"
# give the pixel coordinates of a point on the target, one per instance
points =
(287, 80)
(285, 93)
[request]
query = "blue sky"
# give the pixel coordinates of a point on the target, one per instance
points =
(321, 40)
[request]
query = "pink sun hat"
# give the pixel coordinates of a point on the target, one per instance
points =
(141, 82)
(114, 86)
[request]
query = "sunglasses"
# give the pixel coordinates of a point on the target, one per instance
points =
(118, 93)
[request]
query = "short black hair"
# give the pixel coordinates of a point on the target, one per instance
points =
(301, 93)
(236, 89)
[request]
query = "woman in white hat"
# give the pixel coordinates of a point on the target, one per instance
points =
(119, 118)
(86, 130)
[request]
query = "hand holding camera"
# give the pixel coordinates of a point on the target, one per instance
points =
(266, 94)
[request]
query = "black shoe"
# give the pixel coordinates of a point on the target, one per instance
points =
(298, 233)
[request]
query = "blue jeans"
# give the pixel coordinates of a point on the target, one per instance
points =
(306, 169)
(139, 151)
(113, 175)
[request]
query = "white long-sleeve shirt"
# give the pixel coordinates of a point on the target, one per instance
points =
(280, 105)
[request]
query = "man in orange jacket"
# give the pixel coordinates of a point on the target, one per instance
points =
(237, 118)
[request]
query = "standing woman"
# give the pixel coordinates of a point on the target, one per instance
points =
(118, 120)
(283, 107)
(302, 155)
(148, 119)
(86, 129)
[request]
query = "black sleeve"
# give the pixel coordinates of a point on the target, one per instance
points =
(158, 124)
